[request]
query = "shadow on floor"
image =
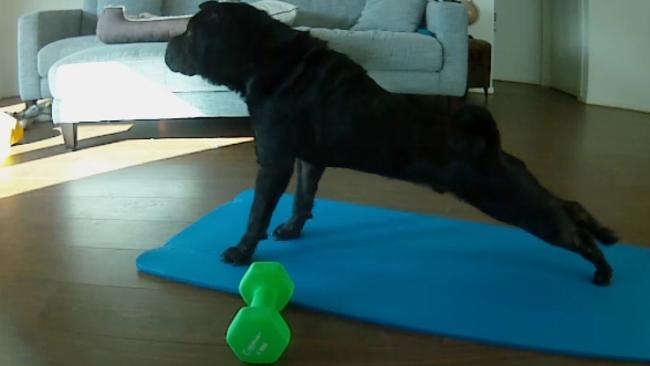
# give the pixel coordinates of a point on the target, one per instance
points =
(43, 140)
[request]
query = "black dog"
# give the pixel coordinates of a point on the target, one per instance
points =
(314, 105)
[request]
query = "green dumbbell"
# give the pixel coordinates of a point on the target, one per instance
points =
(258, 333)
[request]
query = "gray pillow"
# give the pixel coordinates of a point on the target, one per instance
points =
(391, 15)
(114, 26)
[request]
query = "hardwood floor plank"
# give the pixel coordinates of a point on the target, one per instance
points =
(108, 208)
(63, 348)
(101, 267)
(107, 234)
(173, 314)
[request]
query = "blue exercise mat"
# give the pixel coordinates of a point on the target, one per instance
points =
(429, 274)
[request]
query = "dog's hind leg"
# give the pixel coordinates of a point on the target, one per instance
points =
(507, 191)
(308, 177)
(588, 222)
(500, 185)
(272, 180)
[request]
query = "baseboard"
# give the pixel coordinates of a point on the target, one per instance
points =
(481, 91)
(616, 105)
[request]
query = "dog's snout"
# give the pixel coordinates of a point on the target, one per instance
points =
(169, 54)
(169, 60)
(176, 58)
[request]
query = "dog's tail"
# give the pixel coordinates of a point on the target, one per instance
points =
(474, 133)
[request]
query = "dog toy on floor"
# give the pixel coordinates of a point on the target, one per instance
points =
(37, 112)
(258, 333)
(11, 133)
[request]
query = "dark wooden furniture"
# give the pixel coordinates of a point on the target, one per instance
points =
(480, 65)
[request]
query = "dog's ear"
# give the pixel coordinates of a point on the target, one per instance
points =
(209, 6)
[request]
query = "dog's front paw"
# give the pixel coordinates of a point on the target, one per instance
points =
(235, 256)
(603, 277)
(287, 231)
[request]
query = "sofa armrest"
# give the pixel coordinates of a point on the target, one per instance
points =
(448, 22)
(35, 31)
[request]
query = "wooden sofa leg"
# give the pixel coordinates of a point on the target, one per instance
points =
(70, 135)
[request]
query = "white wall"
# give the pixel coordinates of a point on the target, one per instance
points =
(518, 55)
(484, 26)
(619, 53)
(564, 22)
(598, 50)
(11, 10)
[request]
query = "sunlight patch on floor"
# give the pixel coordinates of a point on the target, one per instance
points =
(60, 168)
(13, 108)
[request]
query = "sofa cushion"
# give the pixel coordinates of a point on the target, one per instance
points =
(55, 51)
(385, 51)
(133, 65)
(186, 7)
(280, 10)
(337, 14)
(191, 7)
(391, 15)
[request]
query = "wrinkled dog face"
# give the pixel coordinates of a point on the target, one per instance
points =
(221, 43)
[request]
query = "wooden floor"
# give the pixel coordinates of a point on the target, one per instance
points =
(72, 224)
